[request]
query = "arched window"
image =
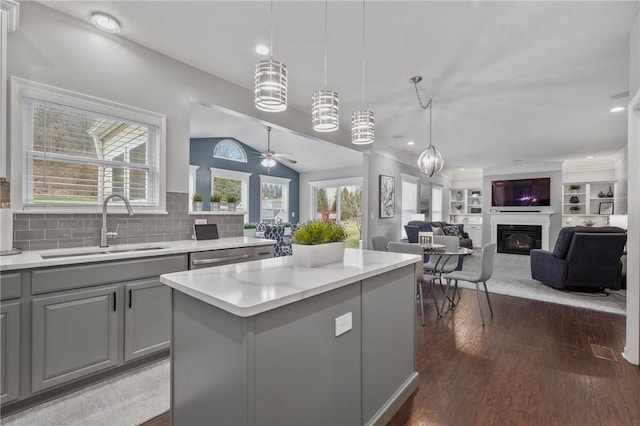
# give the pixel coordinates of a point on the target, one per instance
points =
(230, 150)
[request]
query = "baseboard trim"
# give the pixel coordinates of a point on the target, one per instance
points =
(393, 404)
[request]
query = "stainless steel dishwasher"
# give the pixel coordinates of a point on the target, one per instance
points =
(205, 259)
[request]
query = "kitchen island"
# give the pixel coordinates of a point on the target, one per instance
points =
(267, 342)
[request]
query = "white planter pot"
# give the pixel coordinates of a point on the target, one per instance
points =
(250, 232)
(321, 254)
(231, 207)
(197, 206)
(215, 206)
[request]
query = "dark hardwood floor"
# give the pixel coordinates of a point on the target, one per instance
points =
(532, 364)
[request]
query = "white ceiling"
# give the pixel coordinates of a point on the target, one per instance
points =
(530, 81)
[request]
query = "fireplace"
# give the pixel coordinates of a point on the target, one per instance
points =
(518, 239)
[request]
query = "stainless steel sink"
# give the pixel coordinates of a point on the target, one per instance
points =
(133, 249)
(102, 251)
(82, 253)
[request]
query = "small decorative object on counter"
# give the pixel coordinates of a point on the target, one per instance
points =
(197, 202)
(231, 203)
(587, 222)
(318, 242)
(215, 202)
(601, 194)
(574, 209)
(574, 188)
(574, 199)
(459, 196)
(610, 193)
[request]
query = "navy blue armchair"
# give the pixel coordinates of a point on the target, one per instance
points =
(583, 257)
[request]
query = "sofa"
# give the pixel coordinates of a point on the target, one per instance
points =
(438, 228)
(583, 258)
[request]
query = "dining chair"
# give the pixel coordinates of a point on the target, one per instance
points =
(379, 242)
(434, 264)
(421, 277)
(481, 276)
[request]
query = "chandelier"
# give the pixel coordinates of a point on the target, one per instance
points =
(430, 160)
(362, 122)
(271, 81)
(324, 108)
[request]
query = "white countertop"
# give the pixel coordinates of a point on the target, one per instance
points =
(34, 259)
(250, 288)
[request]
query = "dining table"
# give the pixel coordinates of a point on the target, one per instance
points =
(445, 254)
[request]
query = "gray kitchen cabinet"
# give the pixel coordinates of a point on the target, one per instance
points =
(147, 320)
(73, 335)
(9, 351)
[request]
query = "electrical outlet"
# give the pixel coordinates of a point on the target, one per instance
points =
(201, 221)
(344, 323)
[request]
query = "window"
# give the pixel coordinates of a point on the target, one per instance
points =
(409, 200)
(274, 199)
(76, 150)
(436, 203)
(340, 200)
(230, 182)
(229, 150)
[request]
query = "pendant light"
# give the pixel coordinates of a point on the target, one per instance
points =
(271, 81)
(362, 122)
(324, 107)
(430, 160)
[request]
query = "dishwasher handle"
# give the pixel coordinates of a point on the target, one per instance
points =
(219, 260)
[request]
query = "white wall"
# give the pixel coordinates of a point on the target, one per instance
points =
(376, 165)
(632, 348)
(305, 178)
(55, 49)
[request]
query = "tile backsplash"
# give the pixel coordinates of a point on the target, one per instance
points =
(50, 231)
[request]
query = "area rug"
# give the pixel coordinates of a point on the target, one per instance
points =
(512, 277)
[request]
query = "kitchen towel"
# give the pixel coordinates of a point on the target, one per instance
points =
(6, 229)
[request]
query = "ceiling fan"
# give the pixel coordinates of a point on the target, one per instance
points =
(269, 157)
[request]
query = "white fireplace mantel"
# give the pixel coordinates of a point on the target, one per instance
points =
(524, 218)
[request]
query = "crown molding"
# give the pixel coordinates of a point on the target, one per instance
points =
(12, 8)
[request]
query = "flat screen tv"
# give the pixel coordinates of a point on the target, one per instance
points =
(521, 192)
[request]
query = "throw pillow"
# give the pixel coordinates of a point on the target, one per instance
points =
(452, 230)
(437, 230)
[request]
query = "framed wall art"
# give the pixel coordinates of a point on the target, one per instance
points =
(387, 196)
(606, 208)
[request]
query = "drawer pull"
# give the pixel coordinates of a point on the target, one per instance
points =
(219, 260)
(264, 253)
(130, 298)
(114, 301)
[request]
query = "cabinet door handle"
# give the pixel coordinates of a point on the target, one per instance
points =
(264, 253)
(114, 302)
(130, 298)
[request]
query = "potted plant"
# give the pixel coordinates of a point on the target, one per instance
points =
(459, 208)
(318, 242)
(574, 209)
(215, 202)
(197, 202)
(287, 229)
(231, 203)
(249, 229)
(574, 187)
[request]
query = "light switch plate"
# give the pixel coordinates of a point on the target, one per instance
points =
(344, 323)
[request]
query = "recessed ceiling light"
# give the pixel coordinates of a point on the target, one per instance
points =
(262, 49)
(617, 109)
(398, 136)
(461, 168)
(517, 161)
(105, 22)
(411, 143)
(589, 157)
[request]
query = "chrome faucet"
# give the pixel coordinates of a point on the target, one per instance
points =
(104, 234)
